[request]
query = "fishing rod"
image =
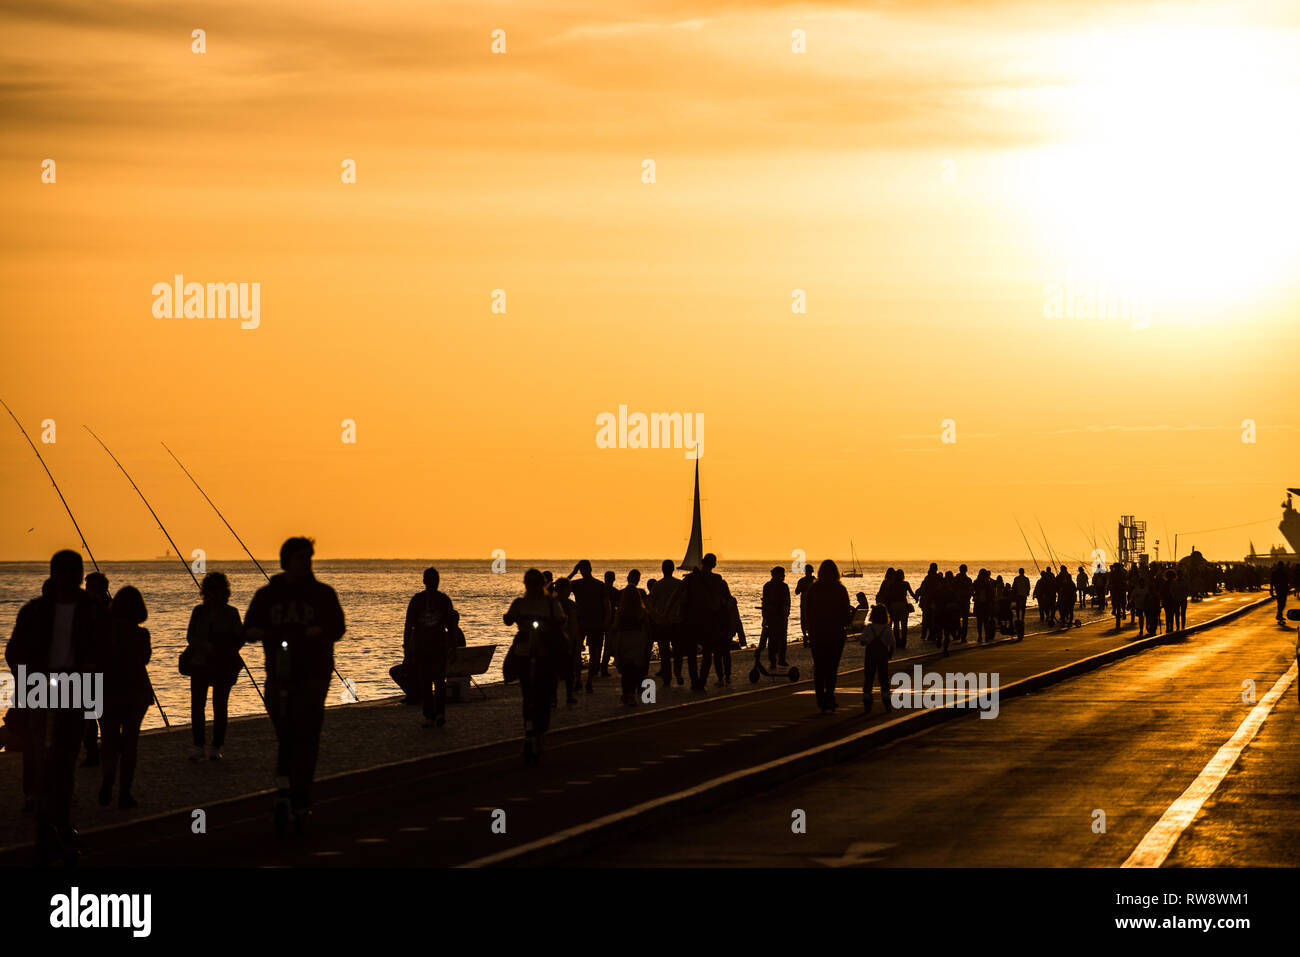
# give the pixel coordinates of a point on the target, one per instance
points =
(165, 722)
(1093, 540)
(246, 549)
(40, 459)
(1037, 567)
(1050, 554)
(189, 571)
(218, 511)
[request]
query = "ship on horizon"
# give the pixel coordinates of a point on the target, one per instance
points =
(1290, 529)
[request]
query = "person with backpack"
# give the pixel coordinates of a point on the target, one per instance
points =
(535, 657)
(878, 644)
(427, 637)
(297, 619)
(211, 659)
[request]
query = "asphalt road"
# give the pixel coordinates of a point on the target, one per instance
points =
(1028, 788)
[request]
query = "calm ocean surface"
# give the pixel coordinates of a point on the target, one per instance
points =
(374, 594)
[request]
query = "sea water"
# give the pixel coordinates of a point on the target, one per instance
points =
(374, 594)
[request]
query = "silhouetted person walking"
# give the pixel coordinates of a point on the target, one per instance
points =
(97, 592)
(1278, 585)
(55, 634)
(984, 598)
(537, 649)
(828, 612)
(776, 616)
(297, 619)
(962, 589)
(1045, 595)
(430, 619)
(927, 597)
(1117, 579)
(214, 637)
(665, 609)
(878, 647)
(894, 591)
(801, 592)
(594, 614)
(631, 640)
(127, 694)
(613, 594)
(1065, 597)
(571, 668)
(1020, 598)
(706, 615)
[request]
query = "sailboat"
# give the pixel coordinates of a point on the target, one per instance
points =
(695, 547)
(854, 571)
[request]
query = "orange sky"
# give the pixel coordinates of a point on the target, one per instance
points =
(925, 171)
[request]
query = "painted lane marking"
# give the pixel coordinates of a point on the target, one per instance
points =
(1154, 848)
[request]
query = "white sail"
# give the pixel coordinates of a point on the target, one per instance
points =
(695, 548)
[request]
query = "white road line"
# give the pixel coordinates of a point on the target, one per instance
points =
(1159, 841)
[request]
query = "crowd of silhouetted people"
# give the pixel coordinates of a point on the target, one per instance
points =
(72, 636)
(690, 624)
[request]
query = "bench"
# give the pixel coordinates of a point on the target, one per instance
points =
(462, 665)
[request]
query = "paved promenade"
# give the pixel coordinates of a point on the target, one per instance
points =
(435, 796)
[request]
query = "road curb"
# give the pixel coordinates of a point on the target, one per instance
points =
(602, 831)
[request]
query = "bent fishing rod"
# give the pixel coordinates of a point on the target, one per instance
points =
(85, 544)
(1037, 567)
(169, 540)
(40, 459)
(1050, 554)
(246, 549)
